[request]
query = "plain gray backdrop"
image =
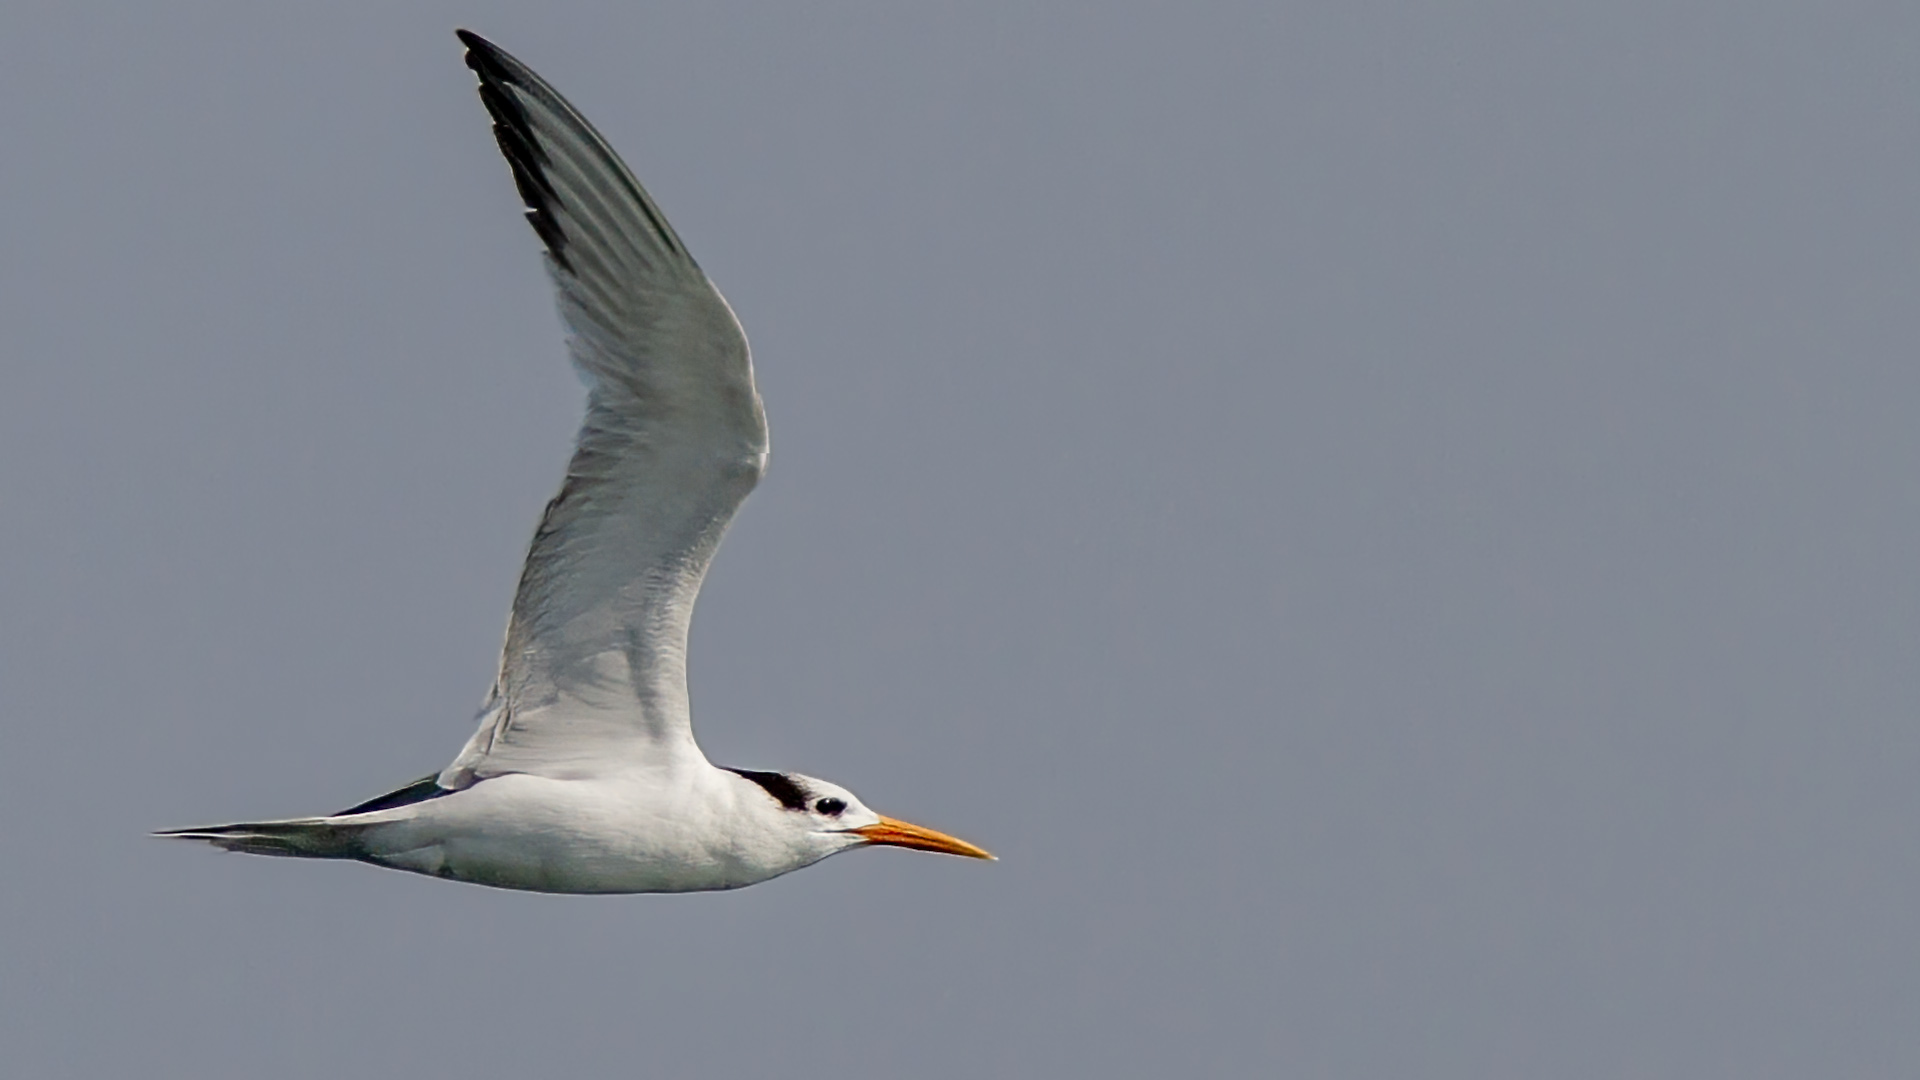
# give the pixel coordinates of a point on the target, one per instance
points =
(1398, 523)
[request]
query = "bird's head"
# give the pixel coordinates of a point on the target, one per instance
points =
(824, 818)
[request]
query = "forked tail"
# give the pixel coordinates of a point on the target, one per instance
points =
(306, 838)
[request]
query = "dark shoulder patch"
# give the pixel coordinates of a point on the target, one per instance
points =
(427, 787)
(778, 785)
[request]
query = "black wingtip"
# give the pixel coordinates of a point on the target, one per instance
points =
(497, 71)
(480, 53)
(487, 60)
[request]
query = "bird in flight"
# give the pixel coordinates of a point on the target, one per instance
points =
(584, 776)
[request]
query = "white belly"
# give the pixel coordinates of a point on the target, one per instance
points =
(646, 833)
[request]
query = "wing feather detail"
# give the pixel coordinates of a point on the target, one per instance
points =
(593, 674)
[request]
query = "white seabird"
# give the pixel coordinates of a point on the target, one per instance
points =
(584, 776)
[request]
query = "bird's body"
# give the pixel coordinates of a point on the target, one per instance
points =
(583, 775)
(673, 830)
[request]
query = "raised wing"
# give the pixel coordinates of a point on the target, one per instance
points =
(593, 677)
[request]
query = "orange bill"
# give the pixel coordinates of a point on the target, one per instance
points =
(900, 834)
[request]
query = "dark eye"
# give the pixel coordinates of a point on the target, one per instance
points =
(830, 807)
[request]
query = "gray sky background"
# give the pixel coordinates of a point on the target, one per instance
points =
(1397, 523)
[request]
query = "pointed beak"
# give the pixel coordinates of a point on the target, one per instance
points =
(900, 834)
